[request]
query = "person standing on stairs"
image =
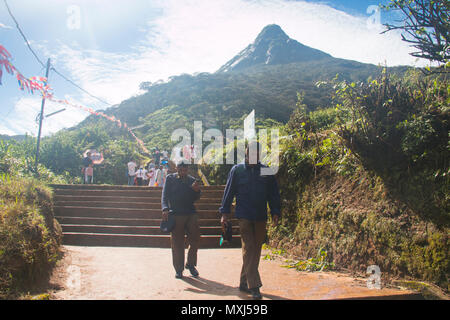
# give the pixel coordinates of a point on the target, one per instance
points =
(89, 174)
(159, 176)
(151, 175)
(141, 175)
(252, 191)
(178, 196)
(87, 161)
(131, 172)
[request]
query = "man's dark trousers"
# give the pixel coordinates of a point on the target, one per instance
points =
(179, 197)
(185, 224)
(253, 234)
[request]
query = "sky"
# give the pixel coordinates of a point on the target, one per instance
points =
(109, 47)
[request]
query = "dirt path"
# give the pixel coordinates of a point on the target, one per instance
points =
(99, 273)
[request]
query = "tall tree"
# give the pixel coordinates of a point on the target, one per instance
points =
(425, 25)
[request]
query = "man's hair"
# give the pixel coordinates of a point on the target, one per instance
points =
(182, 164)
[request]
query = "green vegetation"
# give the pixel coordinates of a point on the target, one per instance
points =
(29, 234)
(17, 160)
(273, 252)
(367, 179)
(63, 152)
(427, 290)
(318, 263)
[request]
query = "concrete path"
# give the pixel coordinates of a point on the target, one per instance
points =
(108, 273)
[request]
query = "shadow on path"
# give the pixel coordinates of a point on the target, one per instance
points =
(205, 286)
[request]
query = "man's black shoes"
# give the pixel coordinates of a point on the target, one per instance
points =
(179, 275)
(192, 269)
(244, 288)
(255, 293)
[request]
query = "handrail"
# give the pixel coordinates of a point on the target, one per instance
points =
(202, 176)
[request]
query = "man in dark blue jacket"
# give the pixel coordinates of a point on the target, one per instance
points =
(252, 191)
(86, 162)
(179, 194)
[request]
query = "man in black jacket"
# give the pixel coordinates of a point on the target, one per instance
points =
(179, 194)
(253, 192)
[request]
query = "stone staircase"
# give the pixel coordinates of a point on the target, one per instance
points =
(129, 216)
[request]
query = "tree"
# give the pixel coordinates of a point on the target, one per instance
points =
(427, 28)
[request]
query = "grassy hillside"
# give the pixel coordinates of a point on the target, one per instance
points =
(368, 179)
(29, 234)
(271, 90)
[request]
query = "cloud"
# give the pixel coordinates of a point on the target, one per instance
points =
(201, 35)
(4, 26)
(4, 130)
(214, 31)
(22, 119)
(110, 76)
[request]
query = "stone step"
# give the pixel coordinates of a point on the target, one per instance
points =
(119, 187)
(129, 222)
(104, 215)
(125, 205)
(144, 230)
(128, 193)
(127, 240)
(100, 187)
(122, 213)
(58, 198)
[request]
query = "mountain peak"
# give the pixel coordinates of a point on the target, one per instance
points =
(271, 31)
(272, 46)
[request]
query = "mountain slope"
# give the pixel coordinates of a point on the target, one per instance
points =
(266, 77)
(272, 47)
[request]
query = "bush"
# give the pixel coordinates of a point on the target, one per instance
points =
(399, 128)
(371, 185)
(29, 234)
(16, 160)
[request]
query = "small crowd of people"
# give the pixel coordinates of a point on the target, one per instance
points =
(153, 174)
(149, 175)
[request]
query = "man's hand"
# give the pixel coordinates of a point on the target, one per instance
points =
(196, 186)
(165, 214)
(225, 218)
(275, 219)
